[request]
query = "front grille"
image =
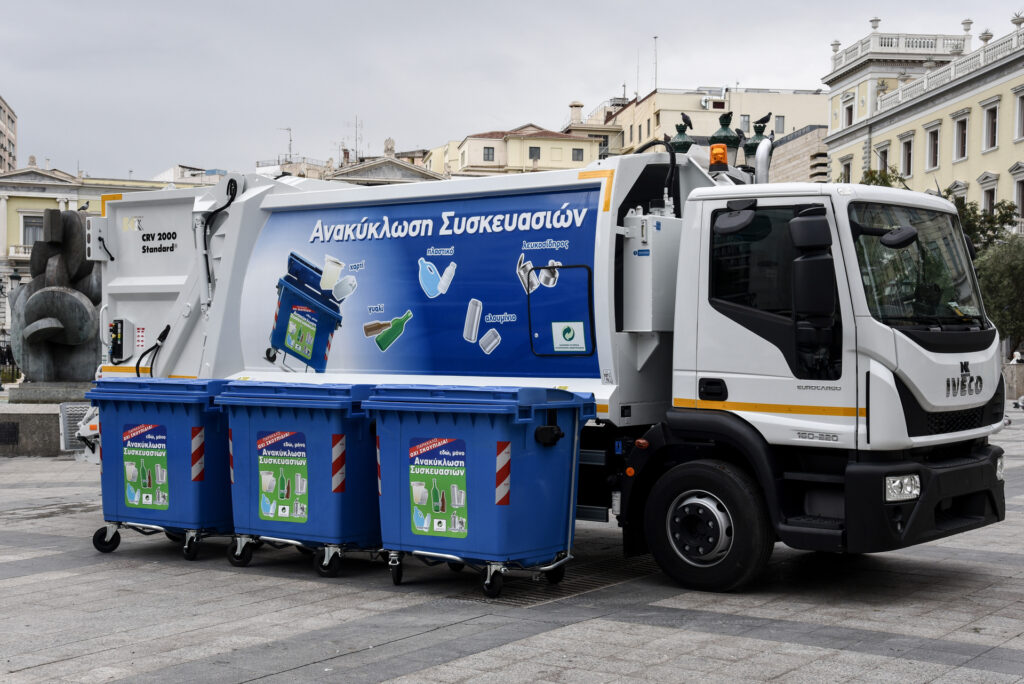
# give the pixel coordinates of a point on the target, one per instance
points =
(955, 421)
(921, 422)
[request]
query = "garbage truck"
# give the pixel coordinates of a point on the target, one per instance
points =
(802, 363)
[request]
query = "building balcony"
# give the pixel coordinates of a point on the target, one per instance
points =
(1017, 227)
(902, 44)
(958, 68)
(19, 252)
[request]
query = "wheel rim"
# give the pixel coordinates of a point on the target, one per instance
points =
(699, 528)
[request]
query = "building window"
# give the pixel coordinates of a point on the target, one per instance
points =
(1020, 197)
(988, 200)
(657, 119)
(780, 125)
(745, 122)
(1020, 117)
(462, 158)
(488, 154)
(534, 153)
(31, 229)
(848, 115)
(933, 148)
(577, 154)
(630, 134)
(990, 129)
(907, 158)
(648, 128)
(960, 139)
(844, 174)
(883, 159)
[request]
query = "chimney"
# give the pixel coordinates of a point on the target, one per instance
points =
(32, 160)
(575, 112)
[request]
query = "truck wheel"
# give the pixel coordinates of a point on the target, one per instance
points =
(707, 526)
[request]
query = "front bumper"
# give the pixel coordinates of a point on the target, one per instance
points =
(957, 495)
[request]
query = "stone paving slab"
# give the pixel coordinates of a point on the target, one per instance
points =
(947, 611)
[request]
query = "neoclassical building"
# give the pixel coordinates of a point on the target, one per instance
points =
(946, 114)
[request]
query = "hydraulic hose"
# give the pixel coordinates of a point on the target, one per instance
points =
(232, 190)
(155, 349)
(671, 184)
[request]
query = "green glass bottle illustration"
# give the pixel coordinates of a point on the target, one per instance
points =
(282, 485)
(435, 498)
(388, 337)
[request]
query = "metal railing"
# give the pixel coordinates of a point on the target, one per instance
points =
(1018, 226)
(283, 159)
(909, 43)
(987, 54)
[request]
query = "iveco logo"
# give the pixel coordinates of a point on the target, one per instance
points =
(964, 385)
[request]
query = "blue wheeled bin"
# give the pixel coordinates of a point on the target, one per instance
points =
(306, 316)
(479, 476)
(164, 460)
(304, 470)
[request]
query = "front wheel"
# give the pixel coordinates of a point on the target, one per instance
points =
(100, 542)
(190, 548)
(331, 568)
(242, 558)
(707, 526)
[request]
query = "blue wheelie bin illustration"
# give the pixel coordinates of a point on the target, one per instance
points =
(306, 316)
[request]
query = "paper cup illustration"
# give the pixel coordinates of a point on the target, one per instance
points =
(161, 474)
(268, 482)
(131, 472)
(419, 493)
(301, 485)
(331, 273)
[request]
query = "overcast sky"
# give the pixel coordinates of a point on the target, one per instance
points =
(112, 86)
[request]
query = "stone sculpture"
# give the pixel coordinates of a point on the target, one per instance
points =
(55, 316)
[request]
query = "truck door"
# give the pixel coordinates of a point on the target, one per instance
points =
(791, 374)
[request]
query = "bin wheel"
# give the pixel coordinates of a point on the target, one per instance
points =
(456, 567)
(492, 587)
(707, 526)
(99, 540)
(190, 548)
(271, 354)
(242, 559)
(333, 566)
(555, 575)
(175, 537)
(396, 574)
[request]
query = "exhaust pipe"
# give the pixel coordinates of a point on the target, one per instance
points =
(762, 160)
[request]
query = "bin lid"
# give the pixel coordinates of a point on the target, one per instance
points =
(520, 401)
(166, 390)
(293, 395)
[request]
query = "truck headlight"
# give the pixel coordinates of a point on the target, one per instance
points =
(902, 487)
(999, 467)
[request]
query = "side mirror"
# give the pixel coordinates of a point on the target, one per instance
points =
(901, 237)
(810, 231)
(814, 289)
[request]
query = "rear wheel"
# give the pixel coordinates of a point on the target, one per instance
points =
(331, 568)
(242, 558)
(707, 526)
(396, 573)
(190, 548)
(556, 575)
(492, 587)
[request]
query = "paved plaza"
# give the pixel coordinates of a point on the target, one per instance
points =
(948, 611)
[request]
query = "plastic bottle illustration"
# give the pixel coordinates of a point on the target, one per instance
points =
(435, 498)
(446, 278)
(430, 279)
(388, 337)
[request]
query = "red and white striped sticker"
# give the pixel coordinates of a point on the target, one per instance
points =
(378, 465)
(503, 474)
(231, 457)
(337, 463)
(198, 454)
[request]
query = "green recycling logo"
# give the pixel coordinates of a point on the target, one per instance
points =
(568, 333)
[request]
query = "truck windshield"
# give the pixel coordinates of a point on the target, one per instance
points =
(929, 282)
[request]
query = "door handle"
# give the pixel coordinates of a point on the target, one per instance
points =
(712, 389)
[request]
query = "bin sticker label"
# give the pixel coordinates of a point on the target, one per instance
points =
(284, 481)
(437, 486)
(145, 466)
(301, 331)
